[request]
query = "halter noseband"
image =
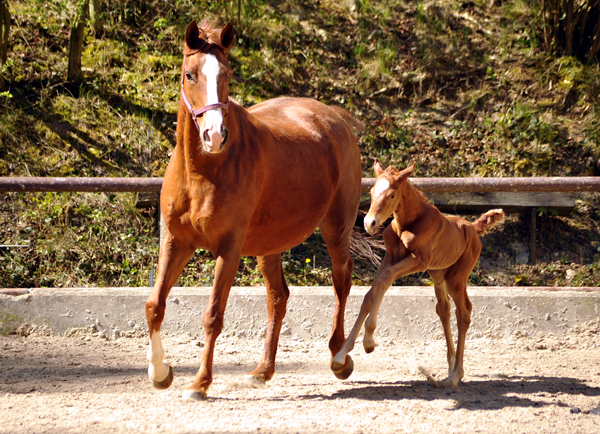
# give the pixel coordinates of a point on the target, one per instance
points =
(199, 112)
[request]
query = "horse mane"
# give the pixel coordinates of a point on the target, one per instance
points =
(209, 37)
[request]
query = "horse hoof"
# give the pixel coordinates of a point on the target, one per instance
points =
(164, 384)
(255, 382)
(194, 395)
(369, 350)
(343, 372)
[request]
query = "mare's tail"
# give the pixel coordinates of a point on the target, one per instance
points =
(488, 221)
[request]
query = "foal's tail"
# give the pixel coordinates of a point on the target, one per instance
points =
(488, 221)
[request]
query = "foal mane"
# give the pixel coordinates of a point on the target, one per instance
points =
(209, 37)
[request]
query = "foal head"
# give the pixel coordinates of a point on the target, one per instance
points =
(205, 81)
(386, 195)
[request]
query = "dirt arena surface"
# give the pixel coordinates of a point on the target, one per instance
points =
(87, 384)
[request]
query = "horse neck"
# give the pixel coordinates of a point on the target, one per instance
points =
(412, 206)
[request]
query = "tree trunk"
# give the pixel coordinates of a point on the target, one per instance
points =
(4, 30)
(95, 21)
(76, 41)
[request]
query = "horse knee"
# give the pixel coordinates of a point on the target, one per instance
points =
(155, 313)
(212, 323)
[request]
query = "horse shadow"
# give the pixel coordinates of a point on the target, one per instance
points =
(476, 394)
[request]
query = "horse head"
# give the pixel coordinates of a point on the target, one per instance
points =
(205, 81)
(386, 195)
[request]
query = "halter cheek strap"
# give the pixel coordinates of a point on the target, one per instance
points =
(196, 113)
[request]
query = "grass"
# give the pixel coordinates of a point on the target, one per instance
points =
(463, 89)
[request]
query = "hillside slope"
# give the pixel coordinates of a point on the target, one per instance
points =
(461, 88)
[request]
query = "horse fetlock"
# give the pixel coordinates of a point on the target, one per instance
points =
(368, 343)
(451, 364)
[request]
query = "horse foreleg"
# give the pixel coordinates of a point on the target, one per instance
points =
(212, 323)
(277, 296)
(172, 258)
(386, 275)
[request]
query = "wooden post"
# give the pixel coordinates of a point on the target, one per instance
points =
(76, 41)
(532, 237)
(4, 30)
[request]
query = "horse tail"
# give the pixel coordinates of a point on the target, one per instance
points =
(355, 125)
(488, 220)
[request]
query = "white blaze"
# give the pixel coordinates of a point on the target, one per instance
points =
(211, 71)
(381, 186)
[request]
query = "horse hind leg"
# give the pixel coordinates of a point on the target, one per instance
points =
(172, 258)
(463, 319)
(277, 296)
(455, 284)
(442, 309)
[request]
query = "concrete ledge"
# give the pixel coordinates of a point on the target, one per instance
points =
(406, 312)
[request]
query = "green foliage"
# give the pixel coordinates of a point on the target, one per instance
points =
(460, 88)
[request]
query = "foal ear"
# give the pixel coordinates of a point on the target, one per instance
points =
(192, 34)
(227, 36)
(407, 172)
(377, 167)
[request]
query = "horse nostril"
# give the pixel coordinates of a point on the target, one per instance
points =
(206, 136)
(224, 134)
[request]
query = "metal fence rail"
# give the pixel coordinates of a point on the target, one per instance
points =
(426, 185)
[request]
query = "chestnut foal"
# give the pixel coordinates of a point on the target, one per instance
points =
(251, 182)
(419, 238)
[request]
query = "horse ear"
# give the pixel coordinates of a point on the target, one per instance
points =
(192, 34)
(407, 172)
(227, 35)
(377, 167)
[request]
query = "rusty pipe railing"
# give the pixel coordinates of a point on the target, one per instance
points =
(426, 185)
(80, 184)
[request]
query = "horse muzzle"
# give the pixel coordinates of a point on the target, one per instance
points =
(371, 224)
(214, 140)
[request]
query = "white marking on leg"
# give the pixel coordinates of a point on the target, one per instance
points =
(157, 370)
(214, 118)
(381, 186)
(340, 357)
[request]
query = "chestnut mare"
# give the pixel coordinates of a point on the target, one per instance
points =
(419, 238)
(251, 182)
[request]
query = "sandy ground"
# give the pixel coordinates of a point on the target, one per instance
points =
(84, 383)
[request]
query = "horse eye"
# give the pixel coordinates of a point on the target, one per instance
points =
(393, 196)
(189, 76)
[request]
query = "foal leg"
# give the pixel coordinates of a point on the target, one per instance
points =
(277, 296)
(442, 308)
(386, 275)
(173, 256)
(342, 360)
(456, 278)
(463, 319)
